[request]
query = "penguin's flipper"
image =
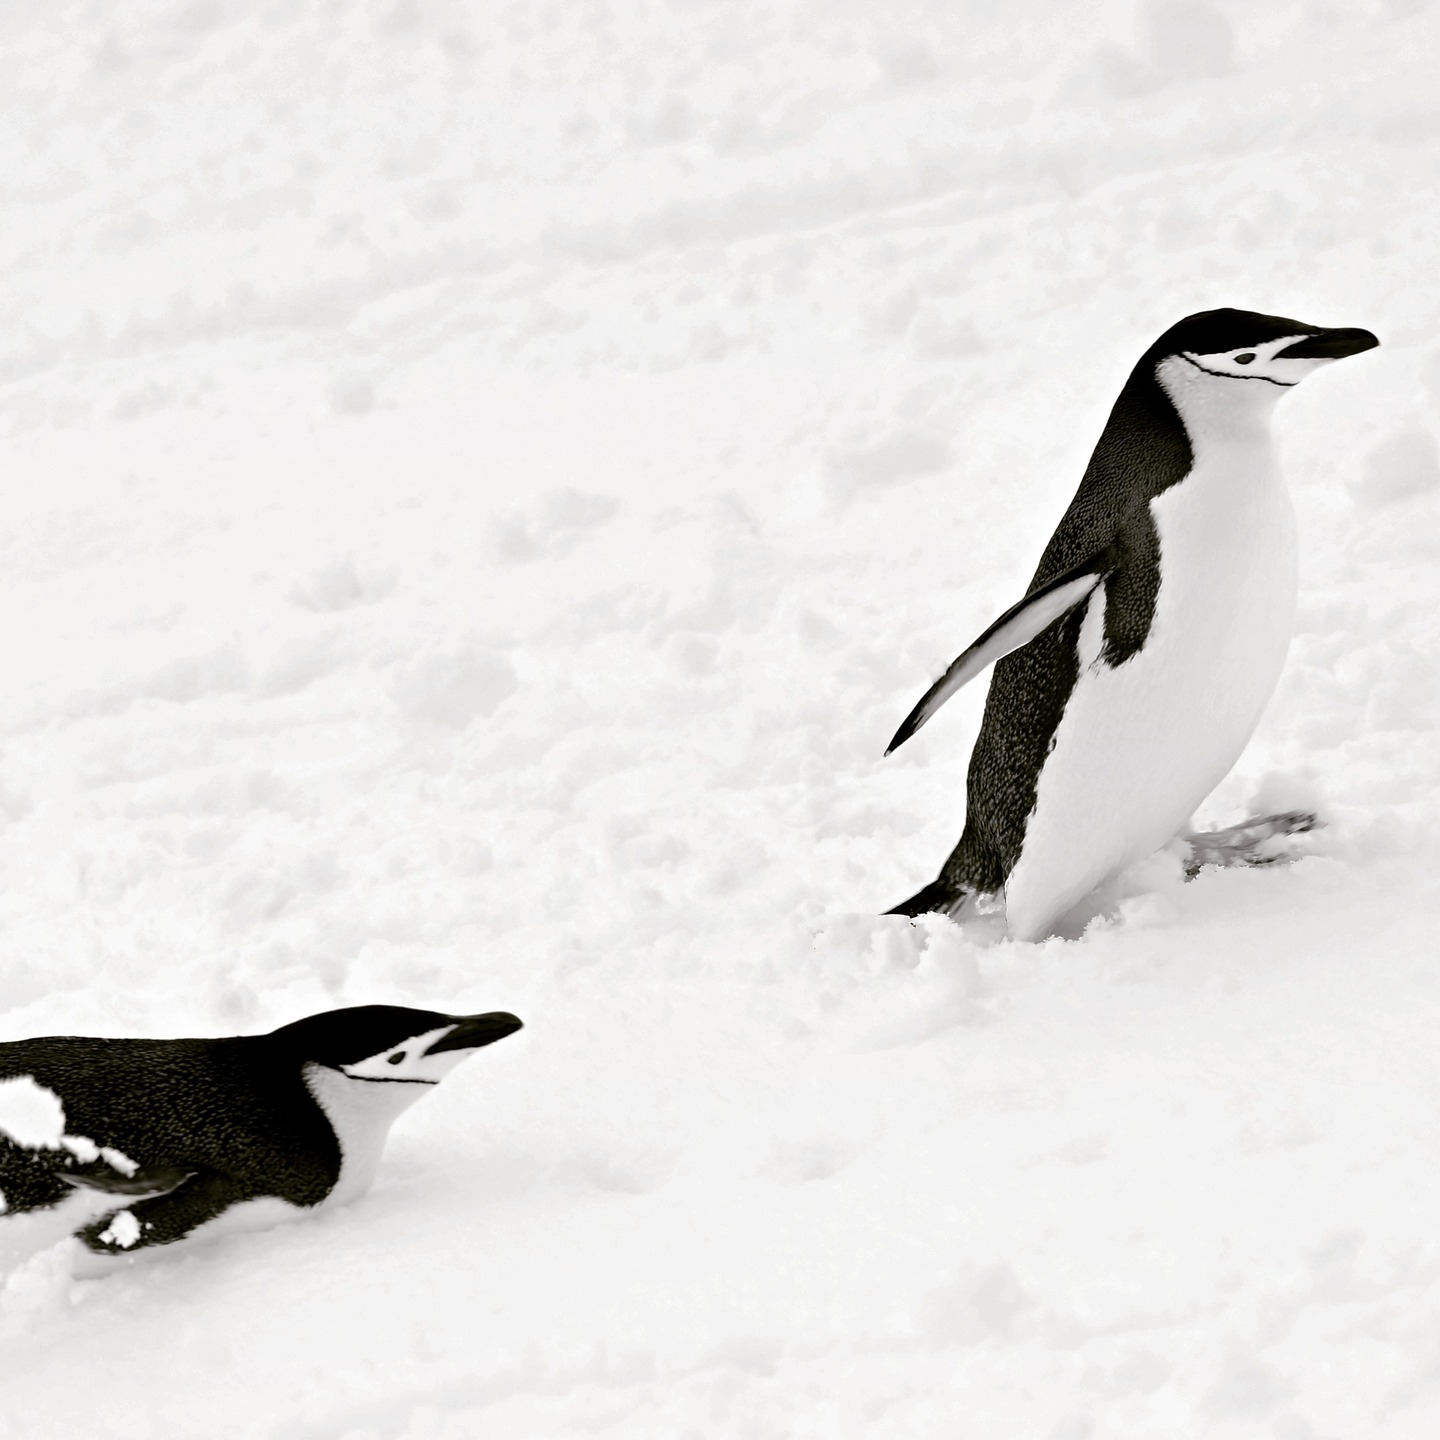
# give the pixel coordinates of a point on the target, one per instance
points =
(1018, 626)
(147, 1179)
(161, 1219)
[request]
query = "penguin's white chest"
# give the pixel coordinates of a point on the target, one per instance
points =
(361, 1113)
(1140, 745)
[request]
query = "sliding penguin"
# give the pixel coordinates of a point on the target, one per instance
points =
(165, 1136)
(1150, 640)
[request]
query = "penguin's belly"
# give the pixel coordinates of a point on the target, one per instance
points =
(1140, 745)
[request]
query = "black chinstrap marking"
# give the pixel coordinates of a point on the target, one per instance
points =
(1226, 375)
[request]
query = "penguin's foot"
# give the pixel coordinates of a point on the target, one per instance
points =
(937, 898)
(161, 1219)
(1252, 842)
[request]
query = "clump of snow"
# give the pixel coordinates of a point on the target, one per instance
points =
(82, 1147)
(30, 1114)
(117, 1159)
(33, 1116)
(123, 1230)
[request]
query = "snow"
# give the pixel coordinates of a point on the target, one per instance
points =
(123, 1230)
(482, 486)
(33, 1116)
(30, 1115)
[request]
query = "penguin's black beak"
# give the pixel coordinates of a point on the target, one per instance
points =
(1329, 345)
(473, 1031)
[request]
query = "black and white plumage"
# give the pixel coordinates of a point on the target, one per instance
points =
(1137, 666)
(162, 1137)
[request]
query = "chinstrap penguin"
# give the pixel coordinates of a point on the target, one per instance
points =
(1139, 662)
(166, 1136)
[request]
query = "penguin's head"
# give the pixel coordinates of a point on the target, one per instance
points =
(1237, 361)
(391, 1045)
(366, 1065)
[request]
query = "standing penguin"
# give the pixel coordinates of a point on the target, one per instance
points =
(1150, 640)
(191, 1129)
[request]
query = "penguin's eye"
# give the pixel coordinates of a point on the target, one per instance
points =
(1246, 358)
(396, 1059)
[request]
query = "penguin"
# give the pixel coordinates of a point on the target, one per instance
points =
(163, 1137)
(1136, 667)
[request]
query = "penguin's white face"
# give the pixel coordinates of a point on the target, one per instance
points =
(1228, 397)
(362, 1094)
(1264, 364)
(409, 1062)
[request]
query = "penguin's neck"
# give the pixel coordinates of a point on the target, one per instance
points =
(361, 1113)
(1227, 529)
(1218, 411)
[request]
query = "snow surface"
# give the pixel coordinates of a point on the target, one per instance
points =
(482, 485)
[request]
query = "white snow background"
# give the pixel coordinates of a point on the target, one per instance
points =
(481, 485)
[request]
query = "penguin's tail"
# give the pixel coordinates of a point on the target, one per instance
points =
(936, 898)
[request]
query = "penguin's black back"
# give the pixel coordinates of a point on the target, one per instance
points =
(1143, 450)
(231, 1105)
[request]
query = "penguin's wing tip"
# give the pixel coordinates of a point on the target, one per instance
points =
(147, 1180)
(1018, 626)
(935, 697)
(912, 722)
